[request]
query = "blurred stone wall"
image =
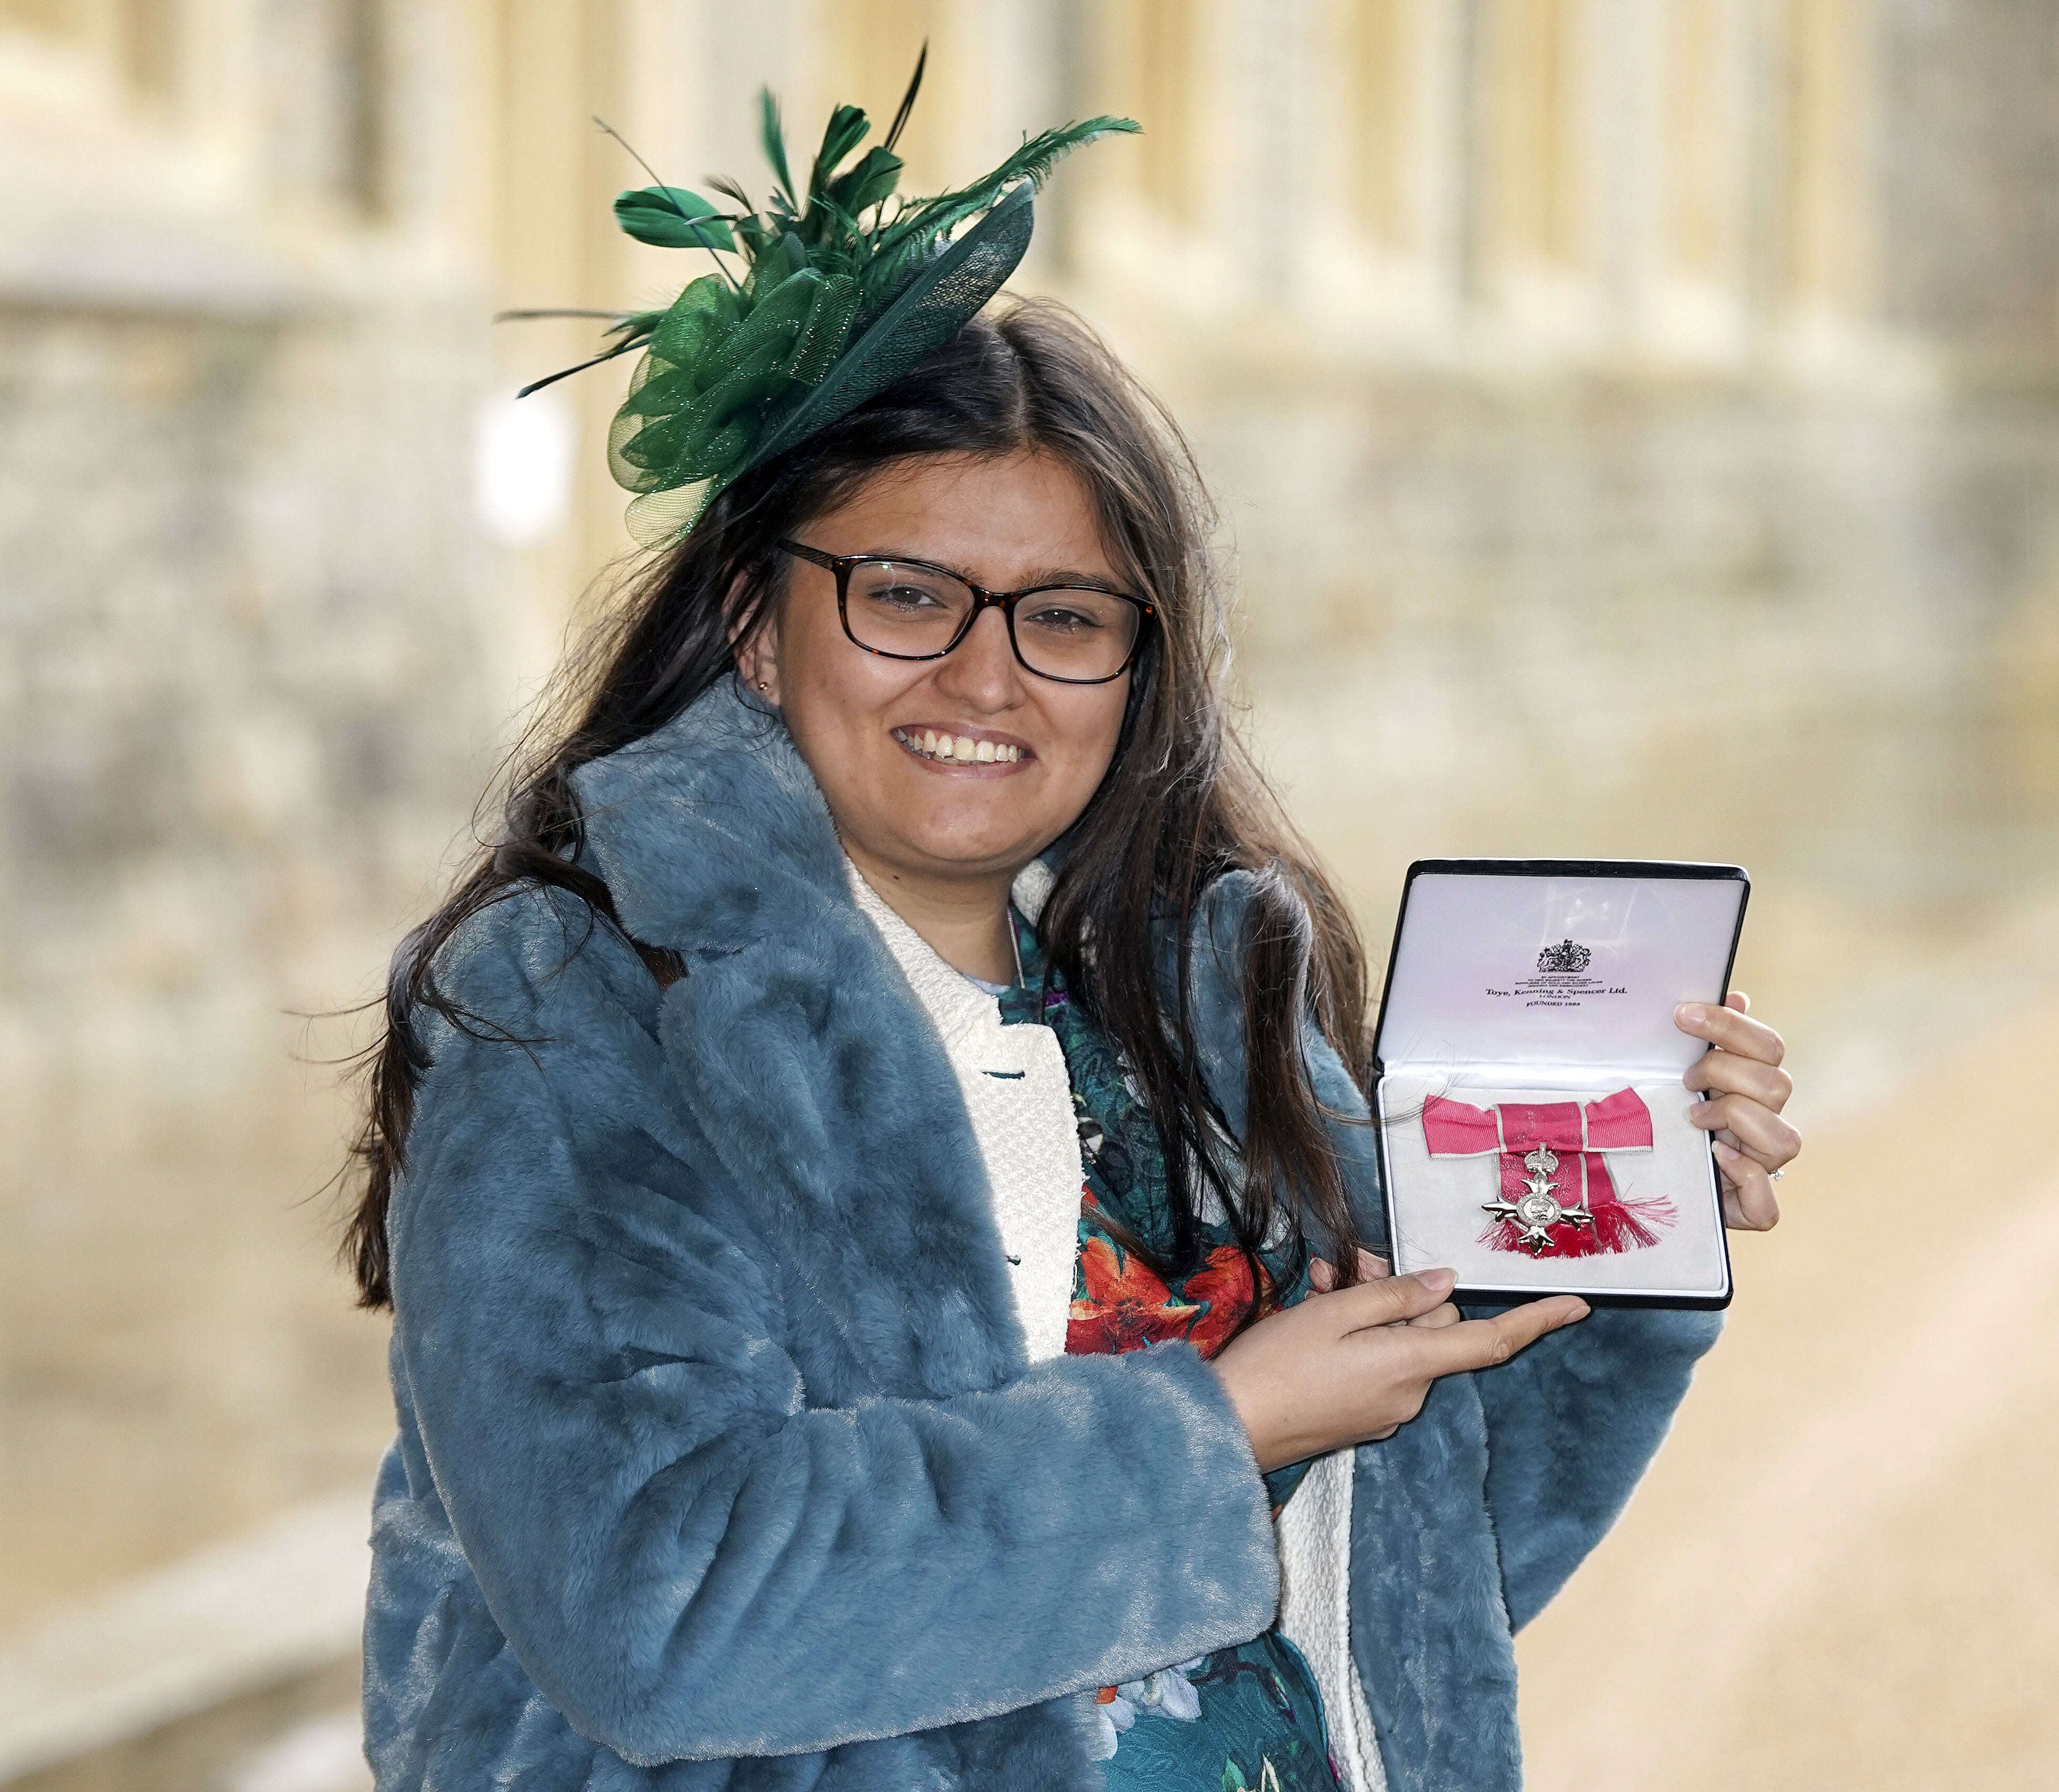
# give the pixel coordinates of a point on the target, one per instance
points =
(248, 700)
(1599, 390)
(243, 698)
(246, 704)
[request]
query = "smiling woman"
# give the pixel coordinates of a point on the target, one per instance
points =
(873, 1176)
(946, 828)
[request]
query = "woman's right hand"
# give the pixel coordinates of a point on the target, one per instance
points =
(1355, 1365)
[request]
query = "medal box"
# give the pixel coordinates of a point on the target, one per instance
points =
(1534, 1130)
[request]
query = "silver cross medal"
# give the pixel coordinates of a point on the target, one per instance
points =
(1538, 1210)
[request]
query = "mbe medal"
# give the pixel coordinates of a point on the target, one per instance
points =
(1538, 1209)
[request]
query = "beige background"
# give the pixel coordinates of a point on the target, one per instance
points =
(1636, 430)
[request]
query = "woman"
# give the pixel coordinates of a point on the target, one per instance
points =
(873, 1182)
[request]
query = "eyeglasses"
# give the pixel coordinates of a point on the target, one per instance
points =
(909, 610)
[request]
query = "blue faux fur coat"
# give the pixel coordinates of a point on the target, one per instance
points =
(718, 1462)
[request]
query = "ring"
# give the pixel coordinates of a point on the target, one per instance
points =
(1774, 1175)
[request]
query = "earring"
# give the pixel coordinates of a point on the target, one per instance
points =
(761, 685)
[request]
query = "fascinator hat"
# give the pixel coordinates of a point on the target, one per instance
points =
(820, 299)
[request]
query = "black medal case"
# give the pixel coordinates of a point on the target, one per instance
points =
(1534, 1130)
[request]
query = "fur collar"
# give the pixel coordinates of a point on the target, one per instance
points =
(711, 832)
(816, 1074)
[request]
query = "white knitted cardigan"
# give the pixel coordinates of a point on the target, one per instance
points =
(1019, 1097)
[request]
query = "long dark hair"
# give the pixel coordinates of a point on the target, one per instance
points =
(1181, 804)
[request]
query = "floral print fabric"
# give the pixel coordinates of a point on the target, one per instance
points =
(1121, 1303)
(1246, 1719)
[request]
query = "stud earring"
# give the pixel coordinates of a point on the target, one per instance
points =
(761, 685)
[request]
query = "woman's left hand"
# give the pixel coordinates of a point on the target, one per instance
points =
(1747, 1090)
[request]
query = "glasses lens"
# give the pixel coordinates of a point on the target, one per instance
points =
(1076, 633)
(911, 610)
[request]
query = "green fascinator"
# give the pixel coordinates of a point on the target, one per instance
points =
(841, 293)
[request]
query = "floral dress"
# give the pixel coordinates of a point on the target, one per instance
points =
(1244, 1718)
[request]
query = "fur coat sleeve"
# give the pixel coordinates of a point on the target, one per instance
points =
(707, 1518)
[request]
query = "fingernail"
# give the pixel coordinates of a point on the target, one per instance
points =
(1690, 1013)
(1585, 1309)
(1728, 1152)
(1436, 1280)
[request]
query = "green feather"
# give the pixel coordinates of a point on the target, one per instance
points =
(872, 180)
(775, 145)
(916, 232)
(1032, 163)
(908, 99)
(672, 217)
(846, 130)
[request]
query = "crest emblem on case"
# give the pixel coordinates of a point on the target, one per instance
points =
(1565, 956)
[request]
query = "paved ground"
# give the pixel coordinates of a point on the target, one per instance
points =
(1843, 1570)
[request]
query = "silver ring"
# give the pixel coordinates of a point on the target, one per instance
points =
(1774, 1175)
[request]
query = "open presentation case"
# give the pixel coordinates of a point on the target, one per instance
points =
(1534, 1134)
